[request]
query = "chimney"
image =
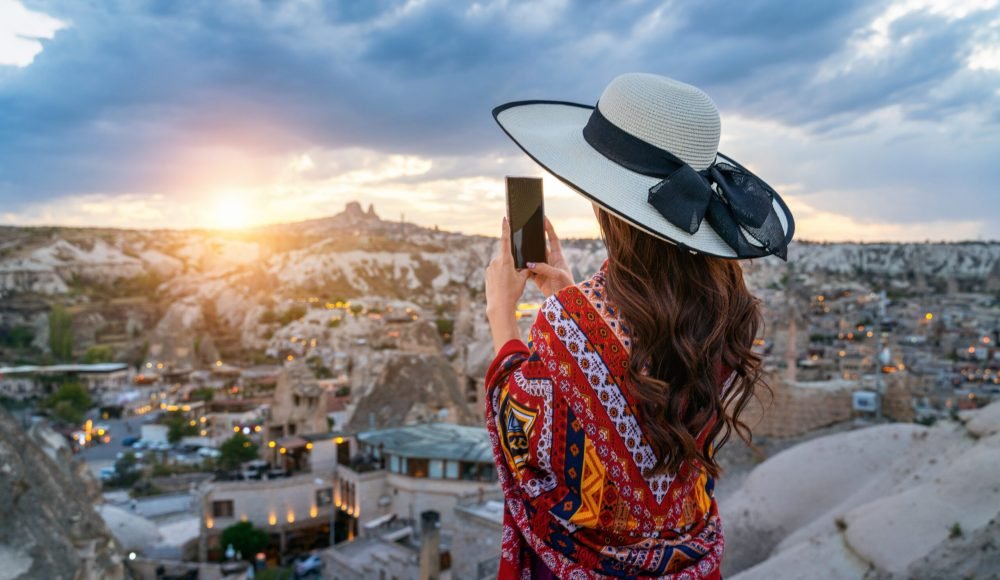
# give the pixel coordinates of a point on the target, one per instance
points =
(430, 545)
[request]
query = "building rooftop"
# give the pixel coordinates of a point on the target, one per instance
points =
(489, 510)
(68, 368)
(433, 441)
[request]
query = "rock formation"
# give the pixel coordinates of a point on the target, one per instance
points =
(48, 527)
(889, 501)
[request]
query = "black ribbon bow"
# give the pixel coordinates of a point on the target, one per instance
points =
(739, 204)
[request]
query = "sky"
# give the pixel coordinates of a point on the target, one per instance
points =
(875, 120)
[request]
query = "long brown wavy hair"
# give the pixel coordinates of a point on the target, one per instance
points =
(687, 314)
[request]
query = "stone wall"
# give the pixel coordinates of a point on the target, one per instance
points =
(796, 408)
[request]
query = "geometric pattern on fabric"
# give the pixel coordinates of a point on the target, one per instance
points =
(571, 455)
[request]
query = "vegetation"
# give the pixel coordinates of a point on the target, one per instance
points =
(178, 426)
(61, 333)
(955, 531)
(445, 327)
(294, 312)
(69, 403)
(236, 450)
(98, 353)
(202, 394)
(245, 539)
(18, 337)
(126, 471)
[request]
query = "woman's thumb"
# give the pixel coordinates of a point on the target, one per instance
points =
(541, 268)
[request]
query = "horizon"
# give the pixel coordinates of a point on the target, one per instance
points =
(250, 231)
(261, 114)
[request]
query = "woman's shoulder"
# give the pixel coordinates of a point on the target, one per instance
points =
(585, 307)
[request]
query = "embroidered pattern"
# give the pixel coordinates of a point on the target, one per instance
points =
(571, 457)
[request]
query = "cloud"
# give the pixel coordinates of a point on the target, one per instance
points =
(894, 105)
(22, 32)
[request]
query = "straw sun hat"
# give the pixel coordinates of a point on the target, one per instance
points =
(648, 153)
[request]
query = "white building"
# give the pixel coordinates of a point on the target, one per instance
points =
(401, 474)
(103, 380)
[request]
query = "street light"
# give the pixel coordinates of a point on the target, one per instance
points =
(333, 509)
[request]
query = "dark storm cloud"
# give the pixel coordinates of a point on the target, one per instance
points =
(114, 101)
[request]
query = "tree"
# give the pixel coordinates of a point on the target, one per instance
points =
(98, 353)
(69, 403)
(203, 394)
(61, 333)
(178, 426)
(18, 337)
(126, 471)
(245, 539)
(236, 450)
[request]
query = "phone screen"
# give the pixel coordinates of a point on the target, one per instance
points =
(526, 215)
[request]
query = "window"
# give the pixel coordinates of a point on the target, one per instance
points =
(222, 509)
(451, 470)
(417, 467)
(296, 400)
(394, 463)
(292, 428)
(487, 472)
(436, 469)
(324, 496)
(469, 471)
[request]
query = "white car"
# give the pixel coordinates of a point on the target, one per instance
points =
(140, 444)
(209, 452)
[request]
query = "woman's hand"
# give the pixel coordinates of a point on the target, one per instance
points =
(504, 287)
(554, 275)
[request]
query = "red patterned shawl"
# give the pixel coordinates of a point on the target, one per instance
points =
(570, 454)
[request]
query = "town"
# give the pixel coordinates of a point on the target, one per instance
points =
(322, 415)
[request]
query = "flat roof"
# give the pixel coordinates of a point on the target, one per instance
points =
(433, 441)
(67, 368)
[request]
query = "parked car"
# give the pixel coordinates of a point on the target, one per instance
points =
(255, 469)
(309, 566)
(130, 441)
(106, 474)
(140, 444)
(209, 452)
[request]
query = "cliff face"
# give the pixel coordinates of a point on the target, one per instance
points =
(48, 527)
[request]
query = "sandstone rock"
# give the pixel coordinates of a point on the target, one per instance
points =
(49, 528)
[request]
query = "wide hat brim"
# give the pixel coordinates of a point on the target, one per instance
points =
(551, 133)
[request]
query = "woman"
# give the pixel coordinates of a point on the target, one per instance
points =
(605, 423)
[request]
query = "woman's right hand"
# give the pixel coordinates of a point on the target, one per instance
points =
(553, 275)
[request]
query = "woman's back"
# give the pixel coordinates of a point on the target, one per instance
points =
(575, 458)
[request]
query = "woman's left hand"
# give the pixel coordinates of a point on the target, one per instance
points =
(504, 287)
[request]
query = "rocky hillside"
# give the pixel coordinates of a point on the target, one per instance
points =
(889, 501)
(49, 528)
(188, 298)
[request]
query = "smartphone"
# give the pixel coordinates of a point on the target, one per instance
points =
(526, 216)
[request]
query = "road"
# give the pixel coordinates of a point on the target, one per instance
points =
(100, 455)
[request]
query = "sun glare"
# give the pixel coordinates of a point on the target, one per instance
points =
(230, 212)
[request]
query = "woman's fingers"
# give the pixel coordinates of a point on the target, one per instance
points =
(553, 238)
(504, 254)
